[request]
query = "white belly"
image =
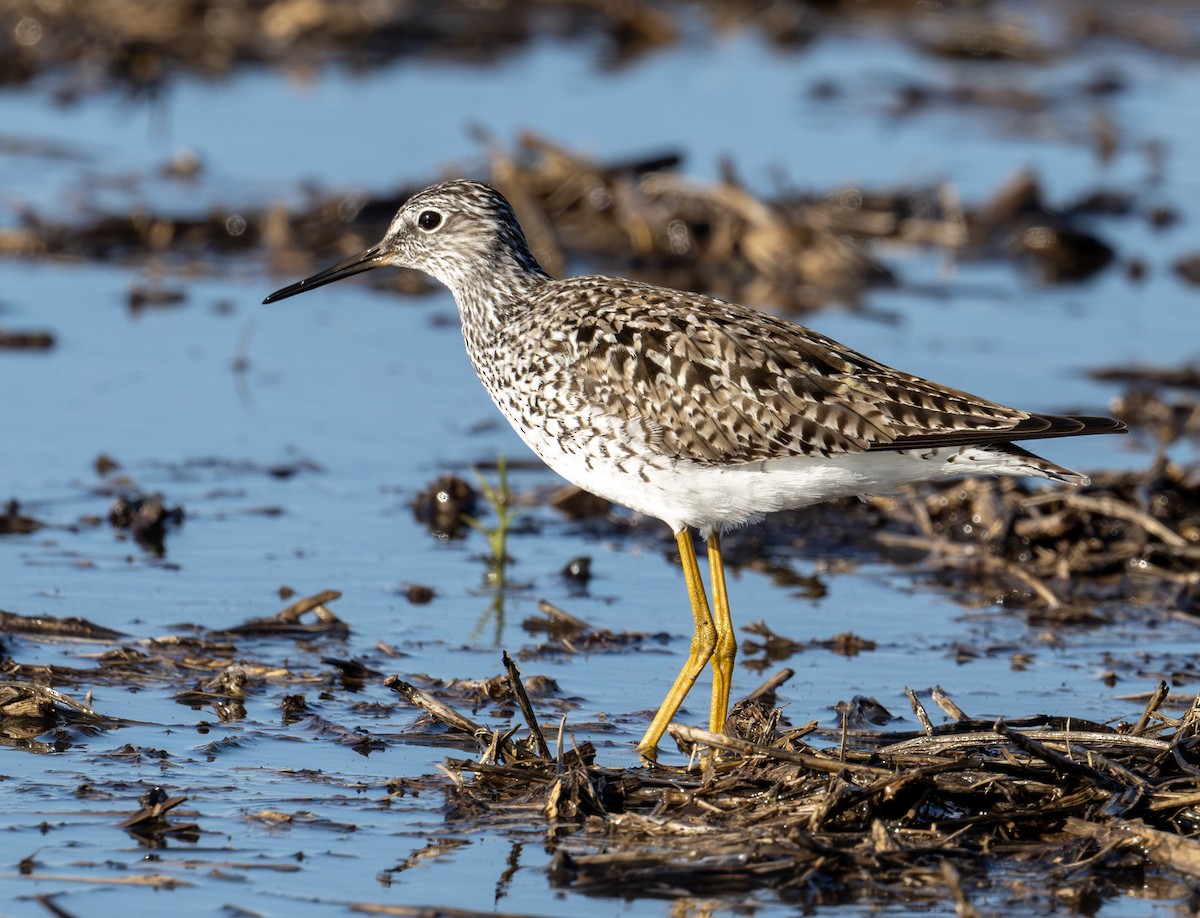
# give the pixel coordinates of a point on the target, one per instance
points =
(710, 497)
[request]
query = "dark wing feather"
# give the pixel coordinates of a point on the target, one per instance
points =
(716, 383)
(1035, 427)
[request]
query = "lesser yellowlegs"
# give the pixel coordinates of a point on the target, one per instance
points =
(699, 412)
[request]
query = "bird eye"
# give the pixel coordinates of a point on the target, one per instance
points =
(429, 220)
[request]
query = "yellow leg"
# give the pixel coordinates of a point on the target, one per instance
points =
(704, 640)
(726, 647)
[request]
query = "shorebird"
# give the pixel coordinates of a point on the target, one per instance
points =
(697, 411)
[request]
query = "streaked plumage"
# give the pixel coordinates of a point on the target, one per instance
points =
(700, 412)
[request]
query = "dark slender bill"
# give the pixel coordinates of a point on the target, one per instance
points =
(356, 264)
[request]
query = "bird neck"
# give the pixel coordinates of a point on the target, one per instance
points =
(489, 299)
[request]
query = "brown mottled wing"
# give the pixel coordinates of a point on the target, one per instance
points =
(716, 383)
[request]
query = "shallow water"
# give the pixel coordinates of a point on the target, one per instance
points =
(375, 392)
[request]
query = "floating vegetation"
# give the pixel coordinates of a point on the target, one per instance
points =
(796, 249)
(1038, 810)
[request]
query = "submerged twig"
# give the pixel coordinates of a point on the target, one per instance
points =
(1158, 696)
(535, 730)
(442, 713)
(919, 710)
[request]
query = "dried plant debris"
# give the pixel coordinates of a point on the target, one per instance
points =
(219, 467)
(352, 675)
(444, 505)
(1129, 538)
(150, 825)
(775, 647)
(156, 296)
(639, 216)
(1167, 418)
(577, 504)
(358, 739)
(203, 671)
(636, 218)
(200, 651)
(496, 692)
(1018, 218)
(578, 573)
(225, 693)
(25, 704)
(289, 622)
(135, 235)
(1188, 268)
(147, 519)
(26, 340)
(968, 808)
(14, 522)
(662, 227)
(418, 593)
(1151, 406)
(1183, 377)
(570, 635)
(642, 217)
(49, 626)
(981, 37)
(143, 44)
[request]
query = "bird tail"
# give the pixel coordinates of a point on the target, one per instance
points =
(1011, 459)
